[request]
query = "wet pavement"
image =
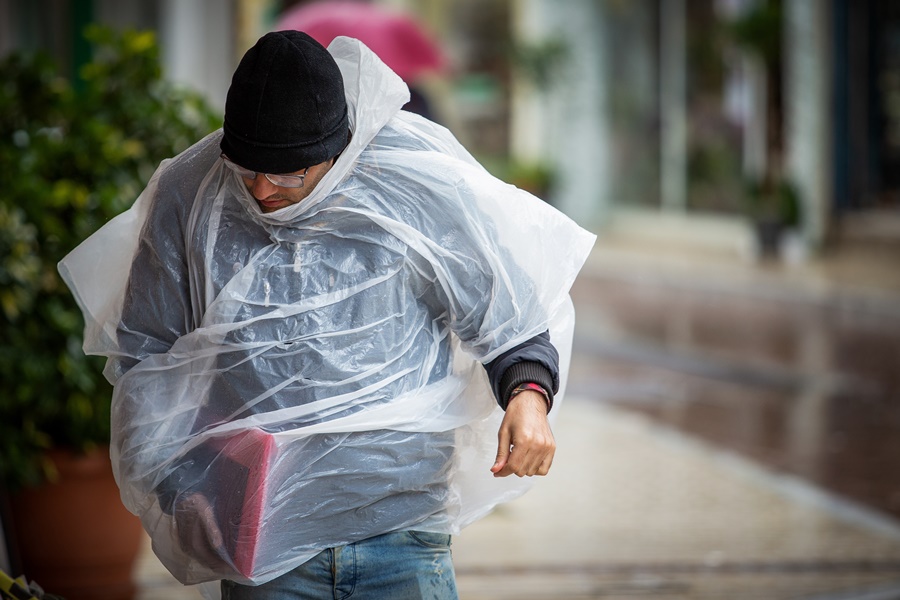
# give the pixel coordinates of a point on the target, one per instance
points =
(732, 432)
(796, 369)
(634, 509)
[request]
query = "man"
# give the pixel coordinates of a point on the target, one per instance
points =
(306, 332)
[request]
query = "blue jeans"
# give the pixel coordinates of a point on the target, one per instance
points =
(405, 565)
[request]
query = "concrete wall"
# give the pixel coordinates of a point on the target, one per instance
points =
(197, 41)
(808, 111)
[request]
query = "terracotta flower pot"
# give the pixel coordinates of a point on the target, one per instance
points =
(74, 536)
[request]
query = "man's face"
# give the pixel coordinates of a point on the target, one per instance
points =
(271, 197)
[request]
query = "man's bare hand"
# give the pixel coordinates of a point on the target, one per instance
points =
(198, 532)
(526, 444)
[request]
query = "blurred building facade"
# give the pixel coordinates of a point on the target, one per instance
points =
(642, 118)
(666, 111)
(200, 40)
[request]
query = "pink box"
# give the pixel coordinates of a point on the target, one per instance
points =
(242, 470)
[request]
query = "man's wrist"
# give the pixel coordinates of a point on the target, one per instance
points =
(534, 387)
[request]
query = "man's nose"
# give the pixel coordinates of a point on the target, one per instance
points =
(262, 188)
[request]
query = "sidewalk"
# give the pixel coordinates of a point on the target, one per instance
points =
(796, 368)
(634, 510)
(854, 277)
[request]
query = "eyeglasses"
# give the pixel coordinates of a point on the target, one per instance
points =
(287, 181)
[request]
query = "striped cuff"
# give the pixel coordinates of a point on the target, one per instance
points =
(525, 372)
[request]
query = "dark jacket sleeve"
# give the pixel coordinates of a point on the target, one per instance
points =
(157, 306)
(535, 360)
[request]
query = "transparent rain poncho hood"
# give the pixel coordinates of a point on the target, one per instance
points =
(314, 375)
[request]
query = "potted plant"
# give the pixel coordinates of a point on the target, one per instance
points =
(773, 207)
(74, 156)
(773, 201)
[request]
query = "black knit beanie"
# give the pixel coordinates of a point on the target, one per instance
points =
(285, 109)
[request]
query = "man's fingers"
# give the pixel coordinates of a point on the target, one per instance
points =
(525, 462)
(197, 530)
(208, 520)
(545, 465)
(503, 450)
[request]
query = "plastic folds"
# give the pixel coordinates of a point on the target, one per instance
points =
(292, 381)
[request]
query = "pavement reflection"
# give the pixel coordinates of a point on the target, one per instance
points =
(805, 387)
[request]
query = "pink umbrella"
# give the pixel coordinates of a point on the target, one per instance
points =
(395, 37)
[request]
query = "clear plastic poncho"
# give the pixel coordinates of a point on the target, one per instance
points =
(314, 375)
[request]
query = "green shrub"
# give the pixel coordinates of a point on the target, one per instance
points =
(71, 161)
